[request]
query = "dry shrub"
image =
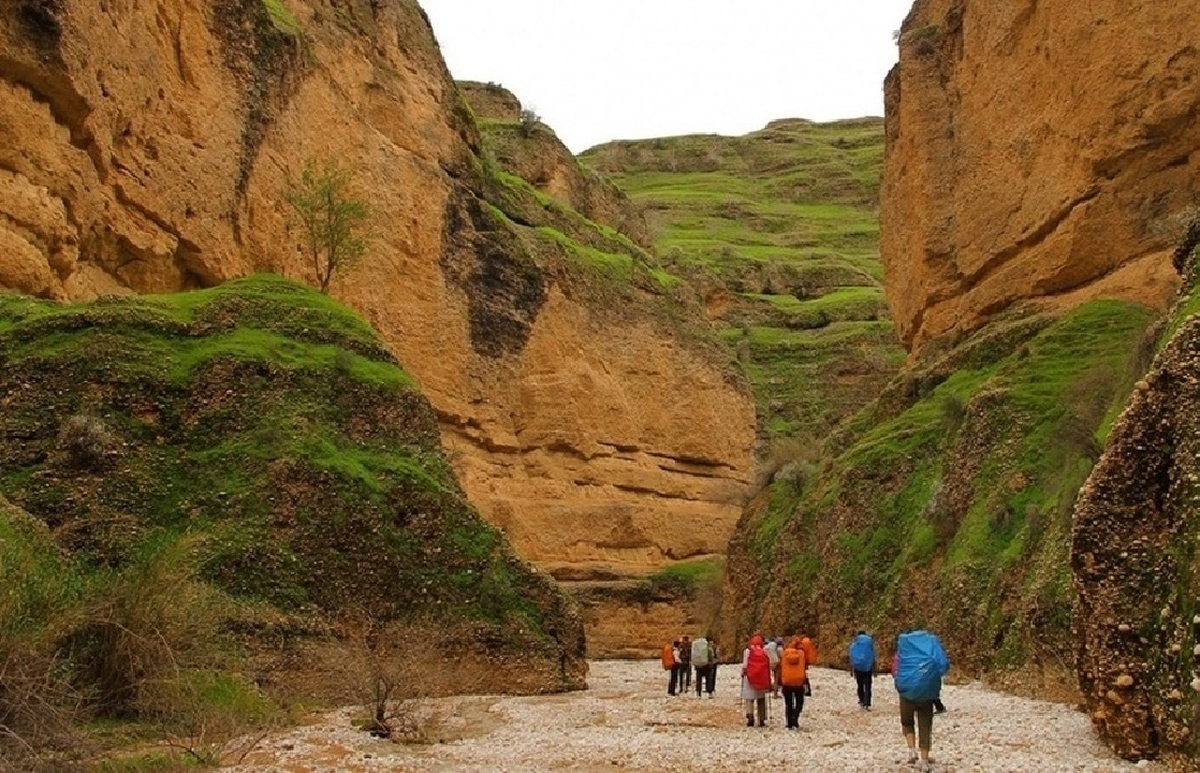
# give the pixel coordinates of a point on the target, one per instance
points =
(38, 704)
(86, 443)
(791, 460)
(145, 623)
(528, 123)
(384, 675)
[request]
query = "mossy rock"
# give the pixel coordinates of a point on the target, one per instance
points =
(266, 427)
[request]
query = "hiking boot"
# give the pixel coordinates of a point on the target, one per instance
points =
(749, 720)
(912, 757)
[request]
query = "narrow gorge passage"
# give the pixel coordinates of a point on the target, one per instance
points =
(625, 721)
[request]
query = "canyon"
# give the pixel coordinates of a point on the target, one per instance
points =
(626, 409)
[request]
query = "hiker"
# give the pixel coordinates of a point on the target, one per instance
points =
(701, 663)
(917, 668)
(774, 650)
(685, 665)
(810, 655)
(713, 657)
(862, 664)
(756, 681)
(670, 662)
(793, 670)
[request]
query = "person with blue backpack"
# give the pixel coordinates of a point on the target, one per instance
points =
(919, 664)
(862, 663)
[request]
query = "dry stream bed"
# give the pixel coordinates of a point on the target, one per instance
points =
(625, 721)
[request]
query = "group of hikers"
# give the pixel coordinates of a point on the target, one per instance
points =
(771, 667)
(682, 655)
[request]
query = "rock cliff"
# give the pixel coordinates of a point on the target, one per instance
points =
(526, 147)
(146, 148)
(1135, 562)
(1032, 148)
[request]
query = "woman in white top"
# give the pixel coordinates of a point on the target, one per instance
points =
(754, 663)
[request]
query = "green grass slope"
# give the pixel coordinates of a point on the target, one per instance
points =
(238, 492)
(778, 232)
(948, 502)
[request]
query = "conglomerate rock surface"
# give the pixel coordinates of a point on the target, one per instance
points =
(1137, 567)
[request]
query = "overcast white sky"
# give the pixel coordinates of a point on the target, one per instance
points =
(600, 70)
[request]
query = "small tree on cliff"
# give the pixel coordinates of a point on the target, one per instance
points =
(333, 220)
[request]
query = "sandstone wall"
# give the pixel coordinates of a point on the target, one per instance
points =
(144, 148)
(1036, 149)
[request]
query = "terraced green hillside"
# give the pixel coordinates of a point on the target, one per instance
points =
(778, 232)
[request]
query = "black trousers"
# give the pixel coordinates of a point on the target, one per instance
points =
(793, 704)
(673, 685)
(712, 678)
(864, 678)
(702, 679)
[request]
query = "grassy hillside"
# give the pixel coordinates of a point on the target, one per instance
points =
(778, 232)
(948, 501)
(221, 502)
(550, 216)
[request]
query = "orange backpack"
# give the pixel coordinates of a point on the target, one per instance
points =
(668, 657)
(810, 651)
(792, 667)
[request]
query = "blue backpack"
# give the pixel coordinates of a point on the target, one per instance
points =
(862, 653)
(920, 664)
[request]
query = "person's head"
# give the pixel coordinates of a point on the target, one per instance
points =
(794, 643)
(861, 633)
(756, 640)
(685, 638)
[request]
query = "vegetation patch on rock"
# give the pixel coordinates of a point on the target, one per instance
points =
(237, 493)
(947, 503)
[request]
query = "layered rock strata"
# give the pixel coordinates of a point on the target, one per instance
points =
(1035, 149)
(146, 149)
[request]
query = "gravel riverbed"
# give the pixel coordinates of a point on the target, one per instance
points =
(626, 721)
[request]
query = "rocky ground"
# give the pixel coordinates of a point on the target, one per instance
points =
(626, 721)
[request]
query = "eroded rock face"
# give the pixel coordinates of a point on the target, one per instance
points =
(526, 147)
(1135, 566)
(1033, 149)
(146, 148)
